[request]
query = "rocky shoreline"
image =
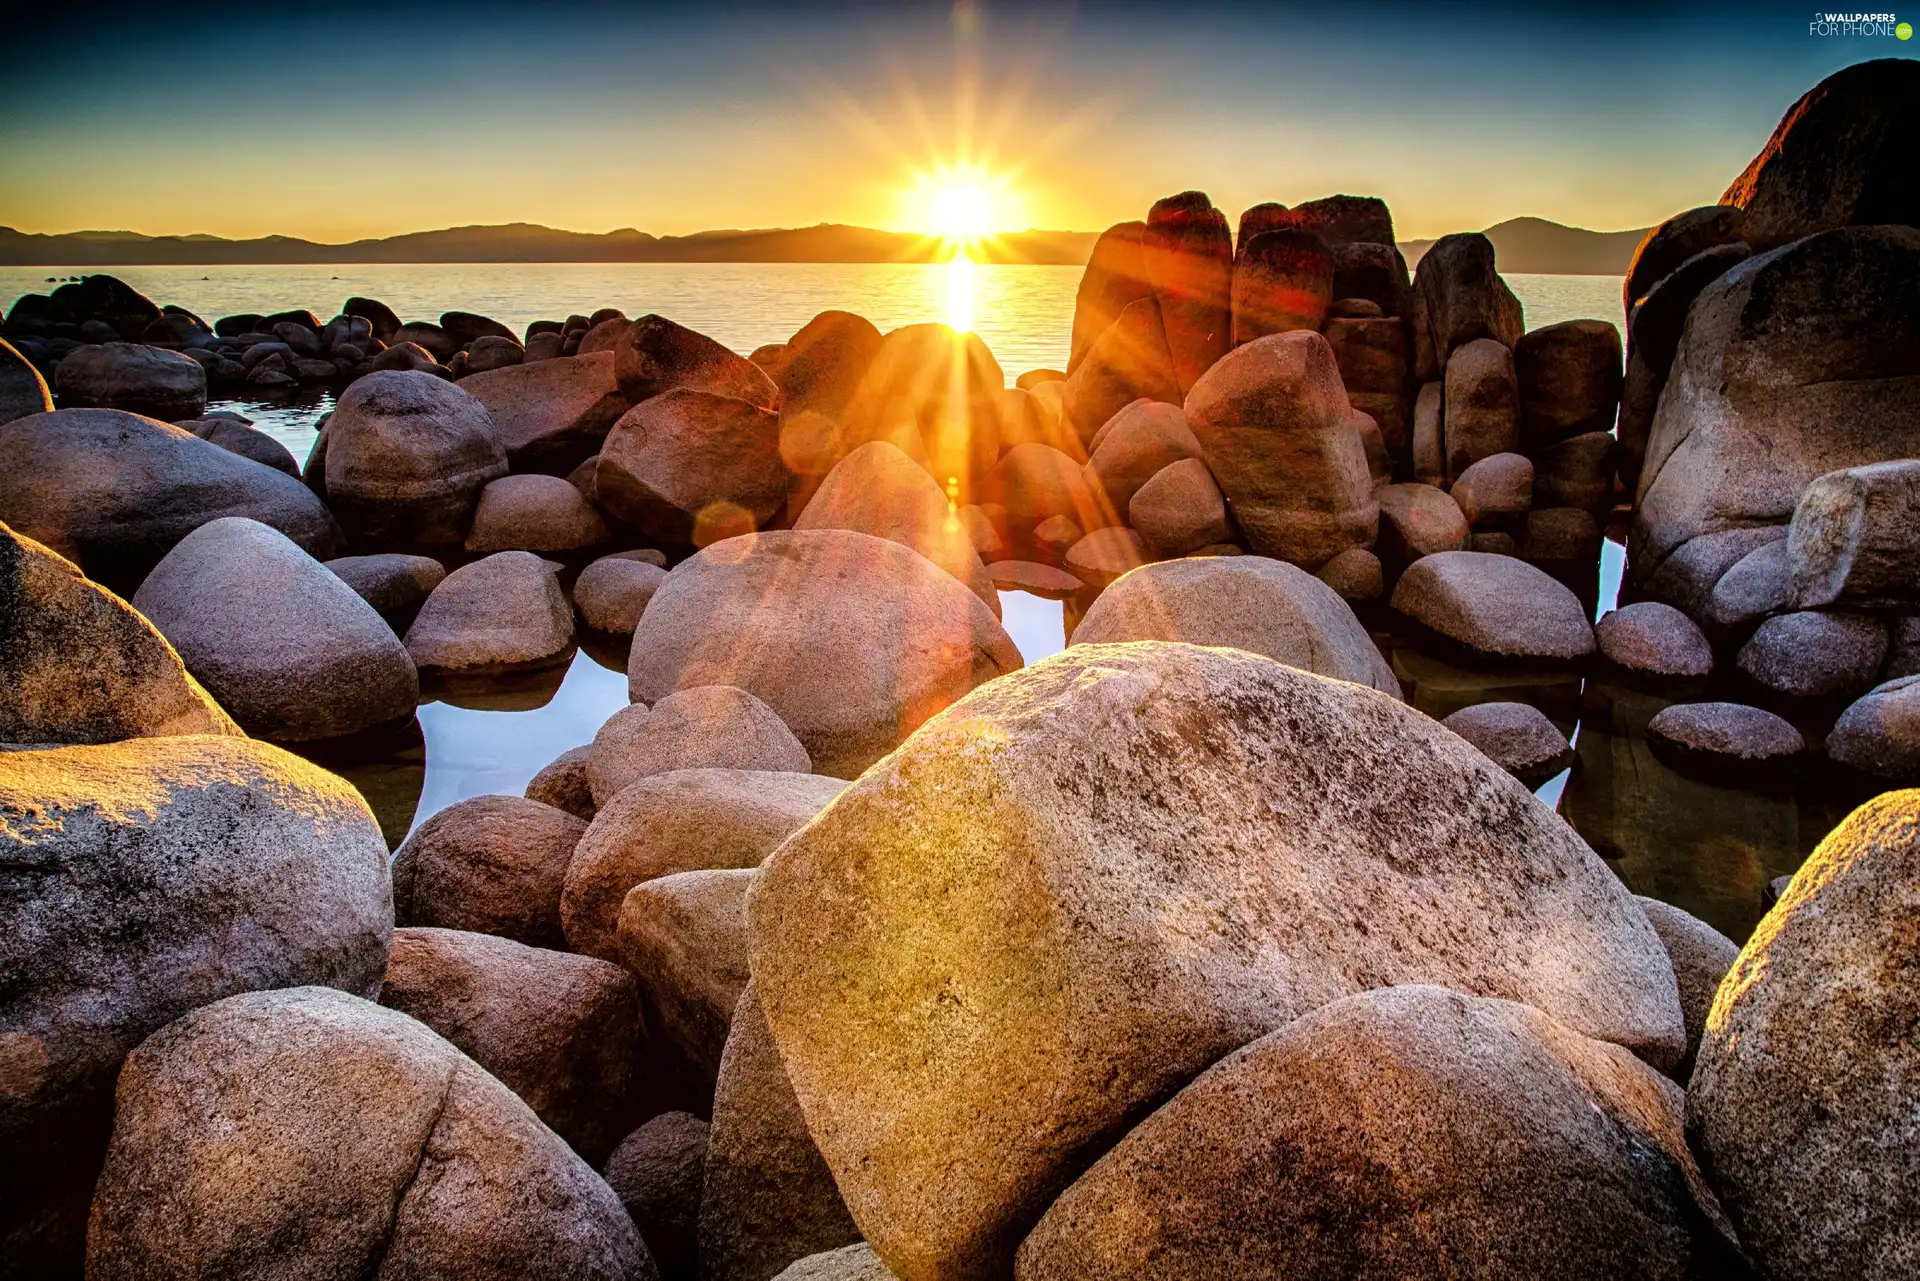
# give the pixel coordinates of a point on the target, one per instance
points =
(855, 948)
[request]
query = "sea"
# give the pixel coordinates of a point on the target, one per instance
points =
(1709, 848)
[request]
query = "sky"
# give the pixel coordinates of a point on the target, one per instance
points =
(335, 123)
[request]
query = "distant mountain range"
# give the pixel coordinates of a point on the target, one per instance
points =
(1521, 245)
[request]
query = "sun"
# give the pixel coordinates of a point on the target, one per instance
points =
(961, 211)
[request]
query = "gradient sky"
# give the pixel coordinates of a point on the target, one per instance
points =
(372, 120)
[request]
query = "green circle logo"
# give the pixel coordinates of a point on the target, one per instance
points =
(1904, 31)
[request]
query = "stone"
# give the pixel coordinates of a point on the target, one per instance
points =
(384, 322)
(1180, 509)
(166, 873)
(289, 650)
(1035, 579)
(825, 362)
(1372, 355)
(562, 783)
(1701, 957)
(1429, 435)
(1835, 159)
(370, 1143)
(1577, 472)
(1648, 638)
(113, 492)
(534, 513)
(470, 328)
(1188, 253)
(1569, 377)
(769, 1198)
(1710, 737)
(693, 467)
(242, 439)
(1674, 241)
(503, 611)
(1794, 364)
(1482, 412)
(1494, 606)
(1142, 439)
(1282, 281)
(1564, 535)
(1880, 733)
(1852, 541)
(848, 1263)
(1279, 438)
(657, 1172)
(1408, 1132)
(852, 640)
(546, 346)
(395, 584)
(1263, 606)
(1756, 587)
(686, 821)
(561, 1031)
(431, 338)
(938, 386)
(1368, 275)
(1417, 520)
(79, 665)
(1105, 554)
(1498, 485)
(655, 355)
(1499, 543)
(983, 530)
(1184, 802)
(407, 457)
(1458, 298)
(550, 414)
(22, 390)
(1687, 578)
(1802, 1092)
(1115, 277)
(1814, 654)
(1055, 536)
(1034, 377)
(1345, 219)
(1033, 483)
(684, 937)
(701, 727)
(107, 300)
(597, 337)
(491, 865)
(612, 593)
(1128, 361)
(1355, 574)
(119, 375)
(1515, 736)
(878, 490)
(408, 357)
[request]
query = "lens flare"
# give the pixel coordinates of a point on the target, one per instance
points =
(961, 212)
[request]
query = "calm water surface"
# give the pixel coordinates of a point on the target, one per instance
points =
(1708, 848)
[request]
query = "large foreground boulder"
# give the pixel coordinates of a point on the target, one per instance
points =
(371, 1146)
(407, 457)
(77, 665)
(853, 640)
(291, 651)
(148, 878)
(113, 492)
(1074, 890)
(1407, 1132)
(1802, 1101)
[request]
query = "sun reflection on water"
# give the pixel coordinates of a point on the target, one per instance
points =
(960, 292)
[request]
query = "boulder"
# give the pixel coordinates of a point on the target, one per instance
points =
(113, 492)
(1674, 241)
(242, 439)
(1280, 438)
(1648, 638)
(394, 583)
(1569, 536)
(491, 865)
(1494, 606)
(22, 390)
(534, 513)
(1793, 365)
(1814, 654)
(825, 361)
(1569, 377)
(1143, 824)
(1515, 736)
(1263, 606)
(1854, 538)
(655, 355)
(1372, 355)
(561, 1031)
(144, 380)
(932, 385)
(1687, 578)
(1429, 444)
(1136, 445)
(769, 1198)
(1417, 520)
(848, 1263)
(470, 328)
(1054, 537)
(684, 937)
(107, 300)
(1801, 1102)
(1577, 472)
(1407, 1132)
(1458, 298)
(1282, 281)
(656, 1172)
(504, 611)
(1035, 482)
(1035, 579)
(983, 529)
(1104, 555)
(1836, 158)
(1180, 509)
(701, 727)
(1355, 574)
(406, 357)
(550, 414)
(1715, 738)
(380, 317)
(431, 338)
(1701, 957)
(852, 640)
(1188, 253)
(693, 466)
(1115, 276)
(1128, 361)
(1498, 485)
(685, 821)
(1345, 219)
(612, 593)
(370, 1144)
(1482, 404)
(1755, 587)
(562, 783)
(165, 873)
(878, 490)
(1880, 733)
(289, 650)
(78, 665)
(407, 457)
